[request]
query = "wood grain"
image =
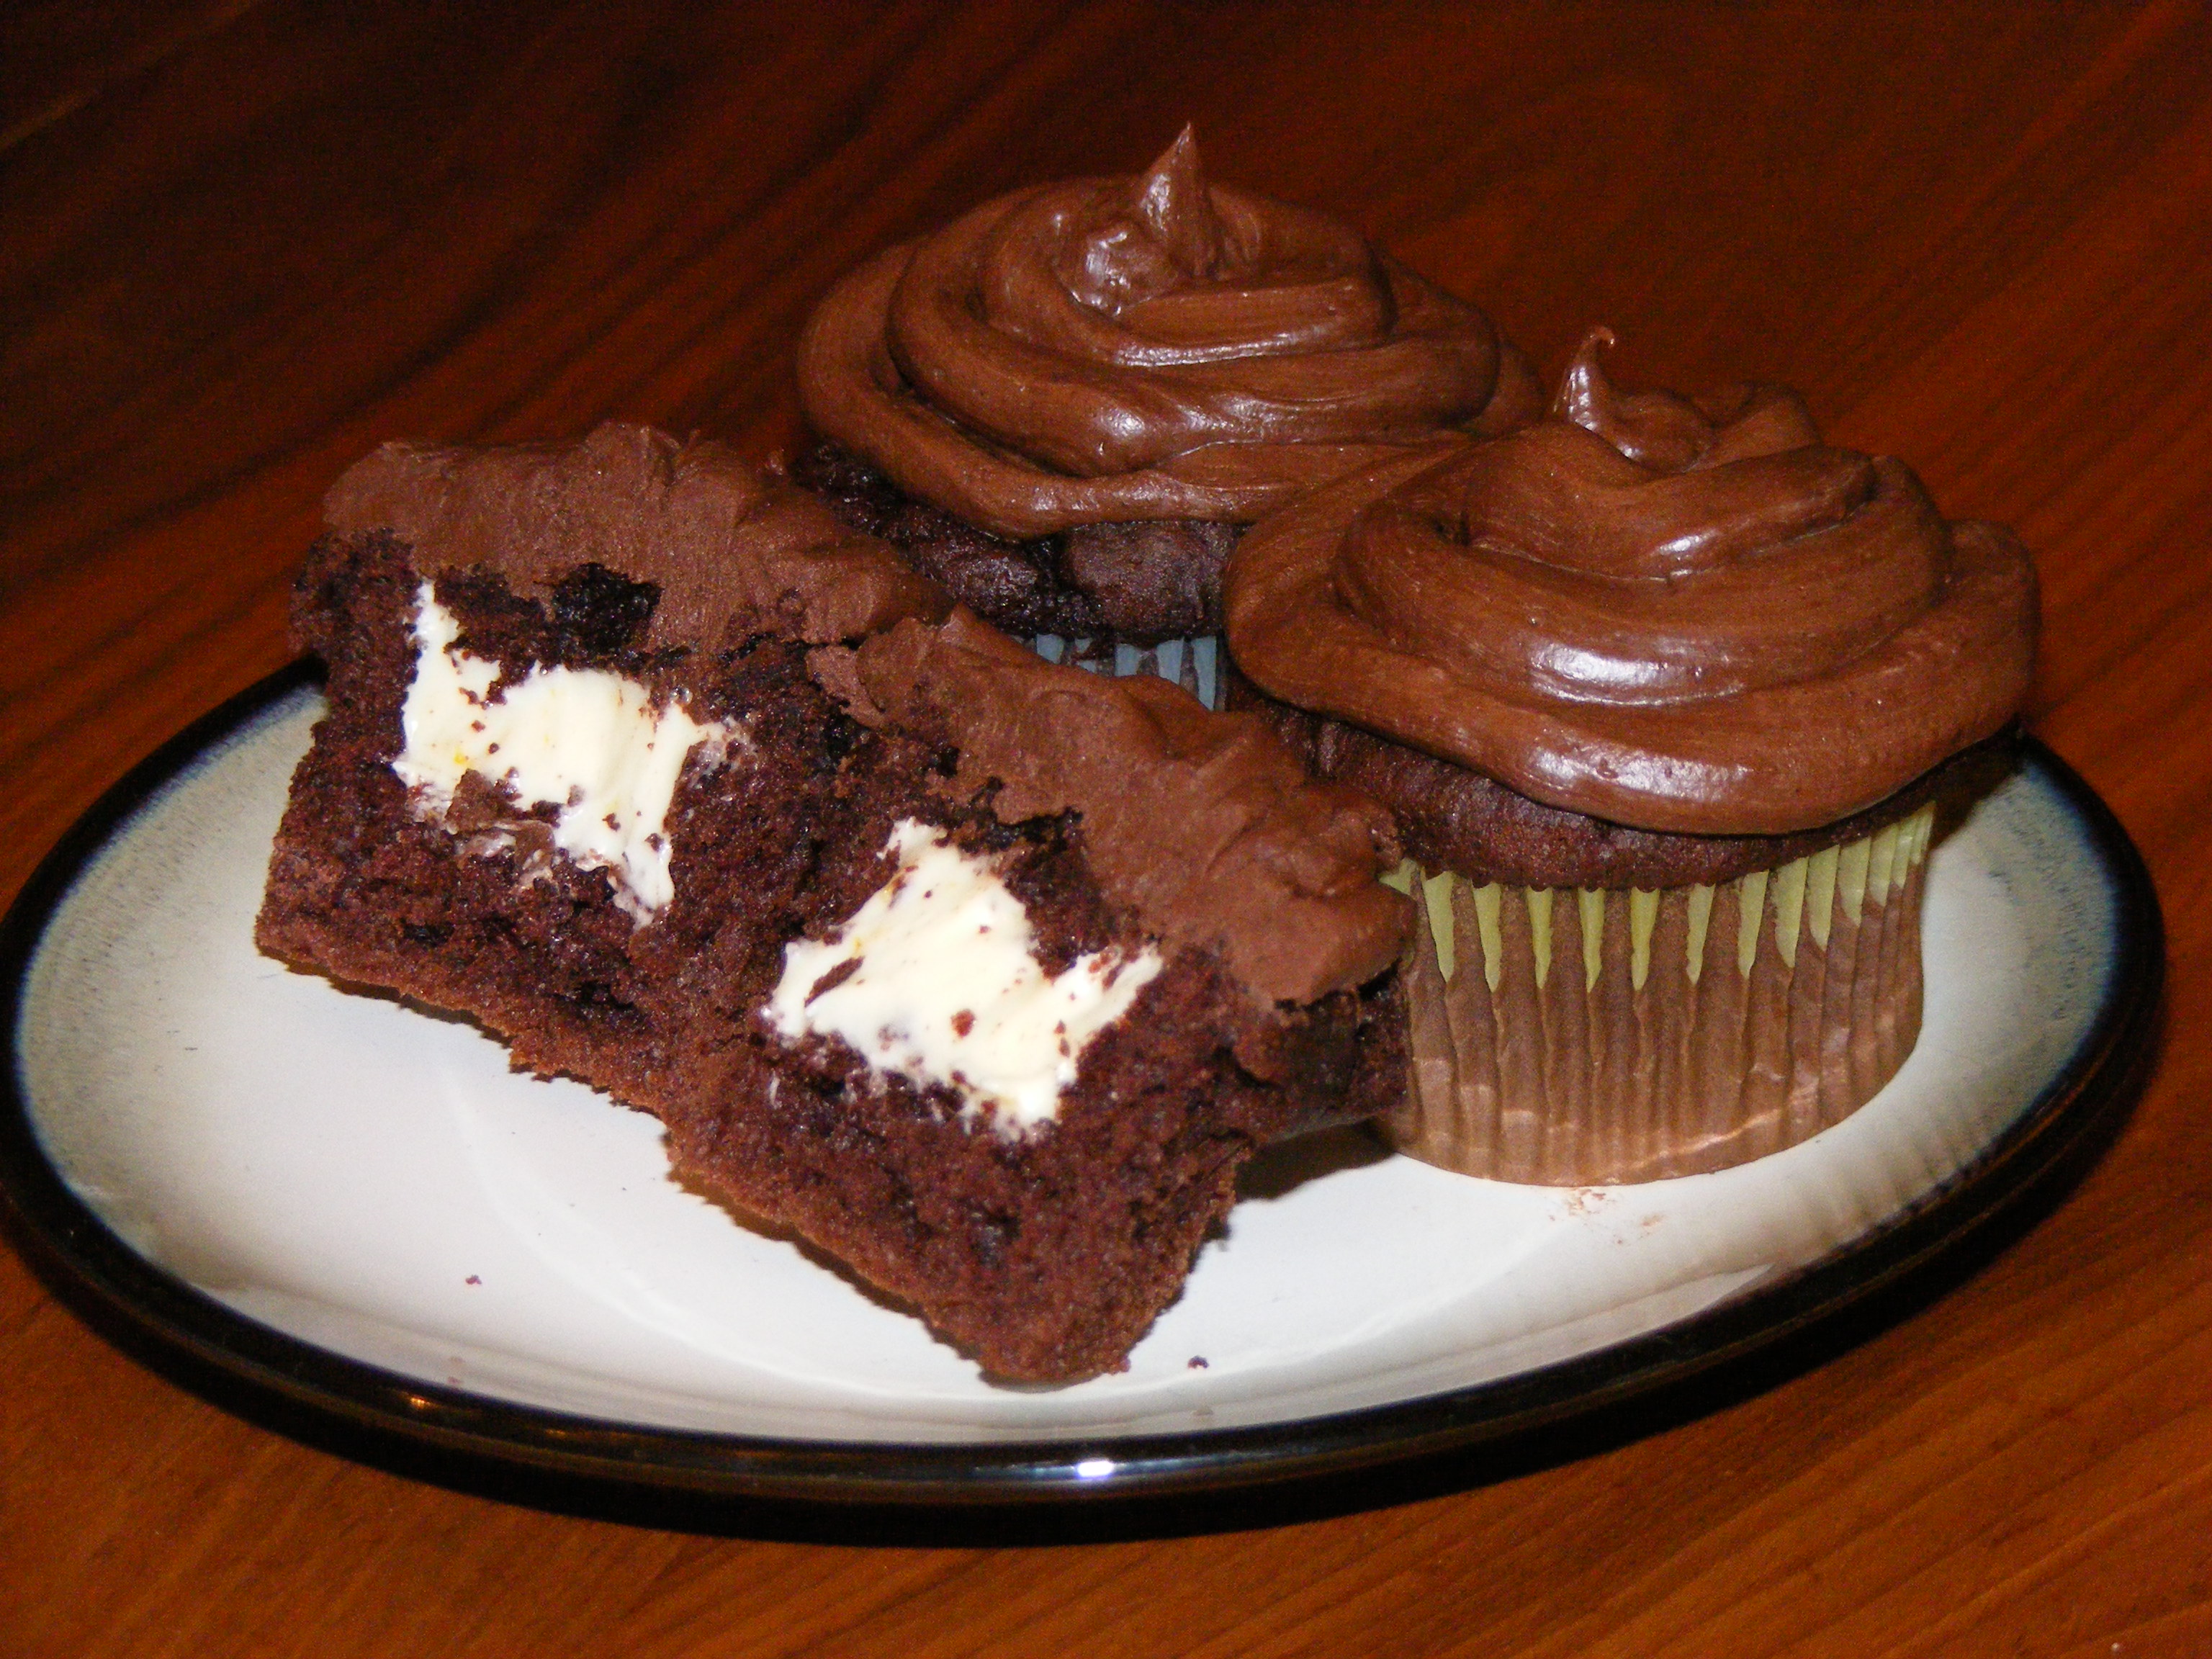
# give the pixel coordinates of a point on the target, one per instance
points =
(245, 241)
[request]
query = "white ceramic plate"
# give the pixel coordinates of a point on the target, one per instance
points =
(356, 1206)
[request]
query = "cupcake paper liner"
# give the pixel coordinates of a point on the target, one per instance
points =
(1574, 1037)
(1193, 664)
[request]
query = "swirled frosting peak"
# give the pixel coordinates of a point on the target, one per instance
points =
(1112, 351)
(1691, 616)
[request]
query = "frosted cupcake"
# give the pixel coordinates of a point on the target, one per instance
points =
(1664, 694)
(1065, 406)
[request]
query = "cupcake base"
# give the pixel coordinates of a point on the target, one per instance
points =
(1587, 1036)
(1156, 579)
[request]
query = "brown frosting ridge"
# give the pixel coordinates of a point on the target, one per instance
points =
(1689, 618)
(734, 551)
(1203, 824)
(1147, 348)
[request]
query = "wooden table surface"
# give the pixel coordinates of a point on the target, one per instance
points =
(243, 240)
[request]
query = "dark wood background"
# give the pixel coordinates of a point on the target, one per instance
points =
(241, 242)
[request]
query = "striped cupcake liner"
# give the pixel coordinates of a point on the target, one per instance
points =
(1192, 663)
(1584, 1036)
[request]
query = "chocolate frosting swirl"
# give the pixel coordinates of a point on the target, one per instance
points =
(1203, 824)
(735, 551)
(1686, 616)
(1156, 346)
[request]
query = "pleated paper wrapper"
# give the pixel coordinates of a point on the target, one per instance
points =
(1578, 1037)
(1192, 663)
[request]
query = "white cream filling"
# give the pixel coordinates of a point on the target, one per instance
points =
(583, 740)
(947, 989)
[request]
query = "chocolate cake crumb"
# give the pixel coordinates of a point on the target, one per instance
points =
(1044, 1253)
(1141, 582)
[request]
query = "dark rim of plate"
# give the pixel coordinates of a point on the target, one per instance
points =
(353, 1407)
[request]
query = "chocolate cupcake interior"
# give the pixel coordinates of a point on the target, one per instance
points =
(908, 938)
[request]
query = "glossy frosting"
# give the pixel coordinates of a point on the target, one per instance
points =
(1202, 824)
(734, 551)
(1690, 617)
(1147, 348)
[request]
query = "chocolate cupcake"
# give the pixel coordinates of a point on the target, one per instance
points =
(1663, 694)
(982, 975)
(1064, 406)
